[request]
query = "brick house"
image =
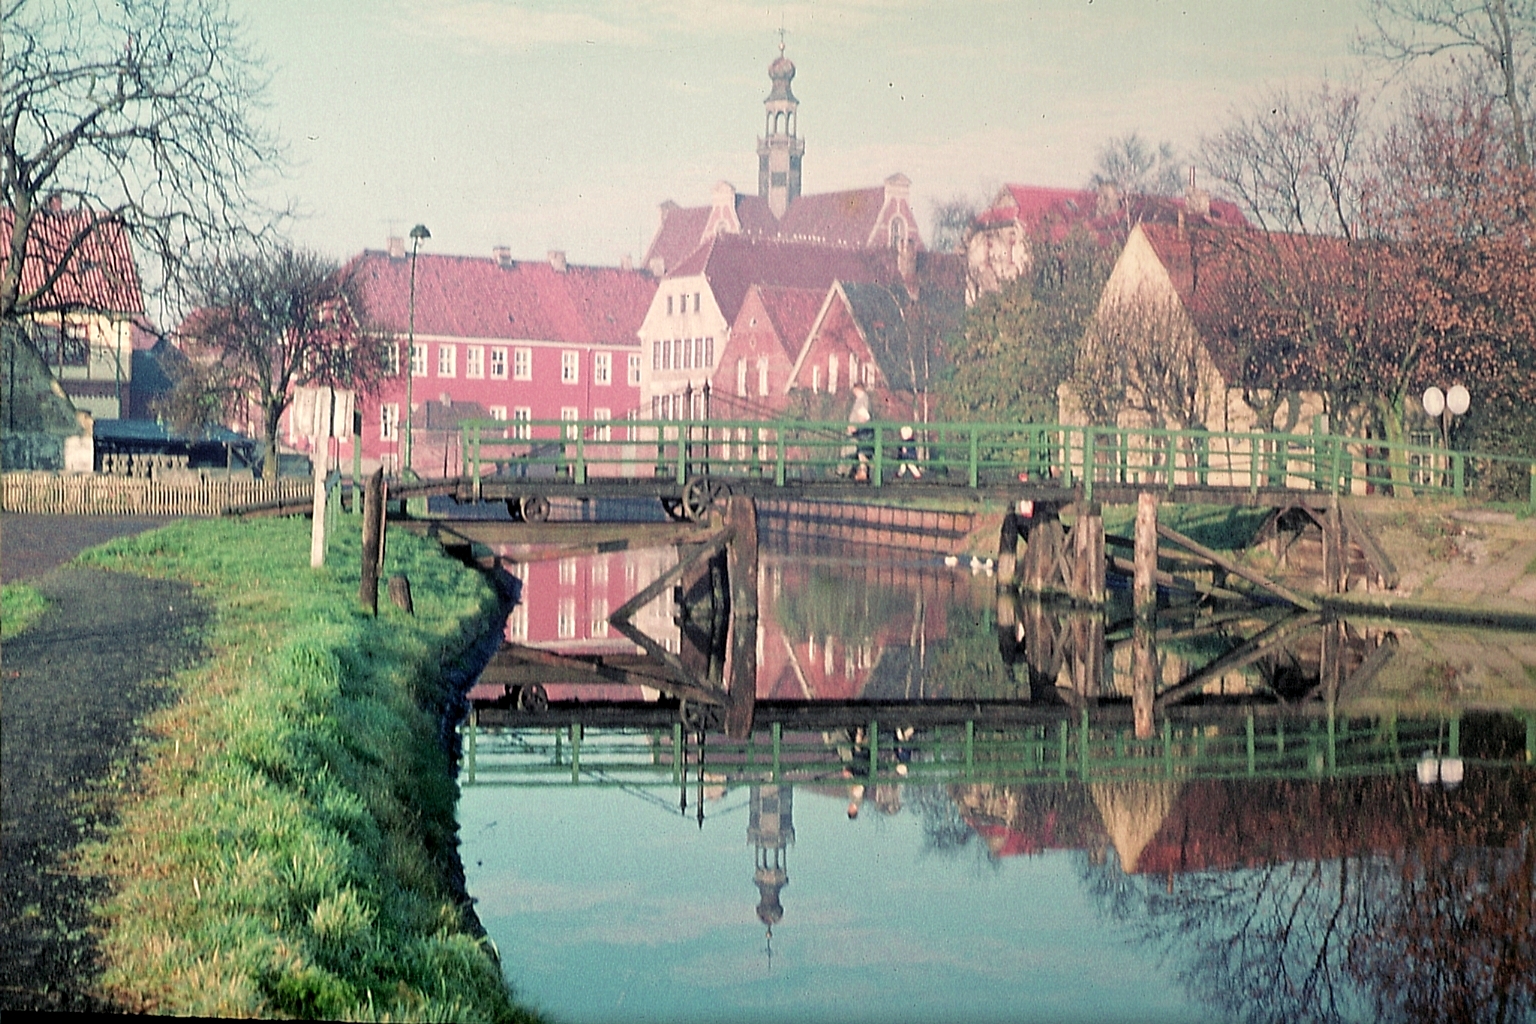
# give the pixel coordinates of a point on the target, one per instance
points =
(506, 339)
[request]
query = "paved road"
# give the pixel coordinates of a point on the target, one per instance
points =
(31, 545)
(76, 684)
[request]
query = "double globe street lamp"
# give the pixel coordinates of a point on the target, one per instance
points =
(1444, 406)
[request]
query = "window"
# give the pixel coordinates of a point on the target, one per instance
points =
(868, 371)
(447, 360)
(570, 414)
(602, 433)
(498, 364)
(599, 573)
(898, 232)
(853, 369)
(741, 378)
(474, 362)
(634, 371)
(831, 375)
(695, 302)
(655, 355)
(762, 376)
(418, 360)
(666, 354)
(522, 364)
(709, 352)
(517, 622)
(669, 305)
(498, 412)
(599, 616)
(686, 345)
(567, 572)
(389, 422)
(566, 624)
(602, 368)
(570, 367)
(520, 417)
(392, 360)
(816, 379)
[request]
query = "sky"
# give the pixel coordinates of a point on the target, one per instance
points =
(564, 124)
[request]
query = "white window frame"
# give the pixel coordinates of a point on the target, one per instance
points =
(522, 364)
(392, 360)
(602, 368)
(498, 363)
(520, 429)
(762, 376)
(602, 434)
(418, 360)
(570, 414)
(741, 377)
(389, 421)
(447, 360)
(570, 366)
(634, 370)
(474, 362)
(599, 617)
(565, 623)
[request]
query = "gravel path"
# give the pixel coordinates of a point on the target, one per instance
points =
(76, 684)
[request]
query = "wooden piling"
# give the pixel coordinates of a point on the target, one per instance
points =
(400, 594)
(1335, 569)
(373, 541)
(1144, 673)
(741, 568)
(1008, 551)
(1088, 555)
(1145, 583)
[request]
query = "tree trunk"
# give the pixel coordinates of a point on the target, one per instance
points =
(1391, 416)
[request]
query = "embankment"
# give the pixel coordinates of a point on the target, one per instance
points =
(290, 845)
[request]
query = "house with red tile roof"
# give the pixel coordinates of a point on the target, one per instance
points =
(752, 379)
(82, 289)
(507, 339)
(997, 247)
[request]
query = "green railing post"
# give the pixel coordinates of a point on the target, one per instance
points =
(1337, 471)
(682, 453)
(476, 445)
(778, 460)
(1167, 747)
(1061, 741)
(575, 752)
(469, 745)
(579, 471)
(1254, 446)
(874, 748)
(1082, 748)
(879, 467)
(778, 742)
(970, 747)
(975, 474)
(1455, 737)
(1459, 474)
(1251, 759)
(678, 753)
(1090, 457)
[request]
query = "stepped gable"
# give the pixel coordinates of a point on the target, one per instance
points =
(479, 297)
(100, 275)
(733, 264)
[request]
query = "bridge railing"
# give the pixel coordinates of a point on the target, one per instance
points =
(976, 455)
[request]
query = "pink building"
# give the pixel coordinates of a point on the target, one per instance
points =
(502, 339)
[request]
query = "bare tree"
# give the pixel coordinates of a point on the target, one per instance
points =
(952, 222)
(1134, 167)
(1501, 33)
(1294, 162)
(1142, 354)
(268, 323)
(136, 112)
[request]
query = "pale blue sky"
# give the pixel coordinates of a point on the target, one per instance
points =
(563, 125)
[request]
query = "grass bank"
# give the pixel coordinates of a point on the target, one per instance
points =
(20, 605)
(291, 846)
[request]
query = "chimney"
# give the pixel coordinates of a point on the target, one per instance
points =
(625, 263)
(657, 266)
(396, 246)
(557, 260)
(503, 254)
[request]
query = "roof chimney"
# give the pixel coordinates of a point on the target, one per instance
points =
(503, 254)
(625, 263)
(396, 246)
(657, 266)
(557, 260)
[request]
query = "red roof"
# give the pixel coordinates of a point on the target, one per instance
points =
(479, 297)
(733, 263)
(1059, 210)
(792, 311)
(100, 274)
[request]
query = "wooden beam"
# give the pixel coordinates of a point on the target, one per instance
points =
(1374, 555)
(1167, 579)
(1232, 567)
(1233, 660)
(671, 576)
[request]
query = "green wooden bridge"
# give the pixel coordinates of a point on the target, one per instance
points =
(690, 464)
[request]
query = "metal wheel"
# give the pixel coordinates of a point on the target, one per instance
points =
(532, 698)
(515, 509)
(698, 716)
(673, 507)
(535, 509)
(699, 496)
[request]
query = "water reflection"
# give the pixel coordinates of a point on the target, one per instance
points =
(1053, 813)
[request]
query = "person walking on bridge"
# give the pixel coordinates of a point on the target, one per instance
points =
(862, 433)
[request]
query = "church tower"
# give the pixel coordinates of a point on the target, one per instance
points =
(780, 149)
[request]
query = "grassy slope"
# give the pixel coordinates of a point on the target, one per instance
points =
(288, 849)
(20, 604)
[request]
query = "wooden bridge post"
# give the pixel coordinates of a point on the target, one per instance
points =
(1043, 551)
(1144, 673)
(741, 568)
(1145, 583)
(1087, 582)
(373, 540)
(1335, 566)
(1008, 551)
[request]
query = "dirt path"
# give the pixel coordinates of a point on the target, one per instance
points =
(35, 544)
(75, 686)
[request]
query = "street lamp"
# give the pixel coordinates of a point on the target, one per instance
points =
(1444, 406)
(417, 234)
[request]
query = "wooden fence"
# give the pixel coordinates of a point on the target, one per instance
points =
(172, 494)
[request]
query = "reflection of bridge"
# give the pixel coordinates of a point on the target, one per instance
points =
(689, 464)
(973, 742)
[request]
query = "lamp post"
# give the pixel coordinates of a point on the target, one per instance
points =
(1445, 406)
(417, 234)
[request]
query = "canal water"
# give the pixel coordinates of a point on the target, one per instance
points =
(1241, 816)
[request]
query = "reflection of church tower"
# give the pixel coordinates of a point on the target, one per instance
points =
(780, 149)
(771, 829)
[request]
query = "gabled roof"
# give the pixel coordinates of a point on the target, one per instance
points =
(100, 275)
(1102, 214)
(734, 263)
(791, 311)
(844, 220)
(479, 297)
